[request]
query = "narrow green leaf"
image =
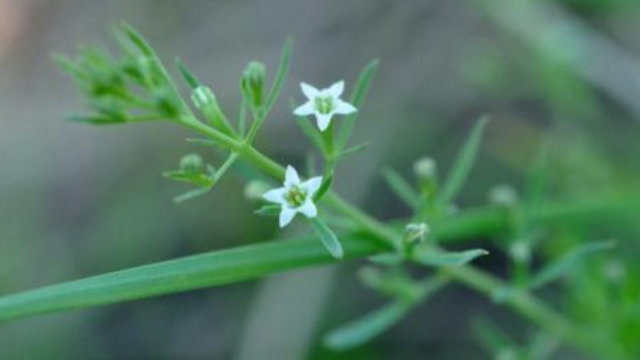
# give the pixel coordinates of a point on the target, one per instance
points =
(96, 119)
(354, 149)
(204, 142)
(360, 91)
(493, 339)
(190, 195)
(370, 326)
(137, 40)
(463, 163)
(328, 238)
(187, 75)
(402, 188)
(180, 275)
(560, 267)
(395, 284)
(433, 257)
(389, 259)
(281, 74)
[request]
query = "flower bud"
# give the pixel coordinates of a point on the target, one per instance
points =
(425, 170)
(415, 233)
(205, 100)
(192, 164)
(253, 83)
(503, 195)
(520, 251)
(255, 189)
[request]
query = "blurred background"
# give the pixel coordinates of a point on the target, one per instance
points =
(77, 201)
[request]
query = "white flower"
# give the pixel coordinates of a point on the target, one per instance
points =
(295, 197)
(324, 103)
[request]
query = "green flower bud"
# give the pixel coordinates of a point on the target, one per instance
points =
(425, 170)
(205, 100)
(253, 83)
(503, 195)
(520, 251)
(415, 233)
(255, 189)
(192, 164)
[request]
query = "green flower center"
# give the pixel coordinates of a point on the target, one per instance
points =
(296, 196)
(324, 104)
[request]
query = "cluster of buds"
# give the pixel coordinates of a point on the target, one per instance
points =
(109, 83)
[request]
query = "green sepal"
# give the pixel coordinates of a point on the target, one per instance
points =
(269, 210)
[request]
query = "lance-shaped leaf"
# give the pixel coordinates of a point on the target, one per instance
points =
(433, 257)
(358, 96)
(463, 163)
(328, 238)
(372, 325)
(368, 327)
(281, 74)
(401, 188)
(563, 265)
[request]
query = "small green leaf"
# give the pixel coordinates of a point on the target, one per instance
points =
(96, 119)
(463, 163)
(281, 74)
(560, 267)
(370, 326)
(328, 238)
(354, 149)
(137, 40)
(401, 188)
(269, 210)
(390, 283)
(389, 259)
(187, 75)
(360, 91)
(493, 339)
(429, 256)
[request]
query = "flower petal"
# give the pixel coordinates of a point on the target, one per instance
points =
(323, 121)
(305, 109)
(275, 195)
(309, 209)
(309, 91)
(286, 215)
(291, 177)
(312, 185)
(336, 89)
(344, 108)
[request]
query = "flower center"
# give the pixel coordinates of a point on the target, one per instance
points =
(324, 104)
(296, 196)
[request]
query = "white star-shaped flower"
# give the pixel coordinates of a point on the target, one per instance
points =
(295, 197)
(324, 103)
